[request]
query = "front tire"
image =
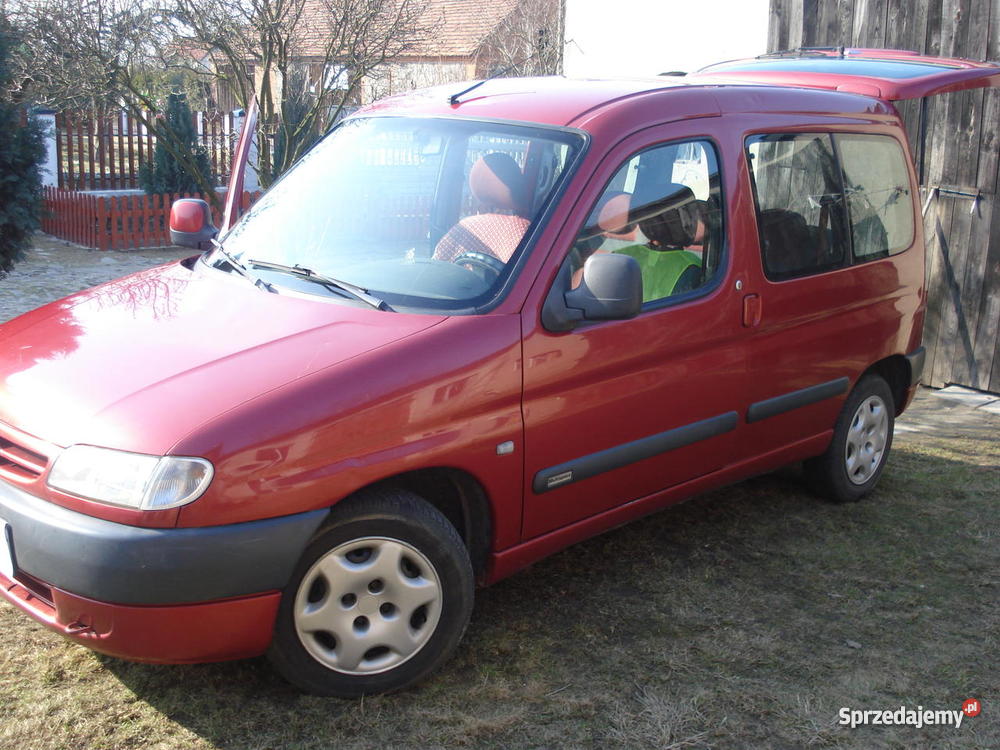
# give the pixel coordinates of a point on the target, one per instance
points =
(380, 598)
(862, 438)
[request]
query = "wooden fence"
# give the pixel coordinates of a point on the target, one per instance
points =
(115, 222)
(961, 154)
(105, 152)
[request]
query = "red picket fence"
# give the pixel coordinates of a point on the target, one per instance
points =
(104, 153)
(117, 222)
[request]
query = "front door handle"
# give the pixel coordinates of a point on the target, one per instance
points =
(751, 310)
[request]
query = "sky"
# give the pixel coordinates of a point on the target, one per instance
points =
(648, 37)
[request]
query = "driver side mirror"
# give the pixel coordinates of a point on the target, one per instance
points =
(191, 224)
(611, 289)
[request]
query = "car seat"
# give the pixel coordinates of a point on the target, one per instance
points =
(671, 224)
(499, 185)
(788, 244)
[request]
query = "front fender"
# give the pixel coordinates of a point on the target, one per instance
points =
(447, 396)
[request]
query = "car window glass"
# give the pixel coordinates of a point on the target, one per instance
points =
(878, 194)
(662, 207)
(800, 204)
(426, 213)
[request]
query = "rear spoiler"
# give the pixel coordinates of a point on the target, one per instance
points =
(890, 75)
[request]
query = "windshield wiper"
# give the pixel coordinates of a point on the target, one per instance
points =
(328, 281)
(240, 268)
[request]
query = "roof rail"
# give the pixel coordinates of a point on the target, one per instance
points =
(804, 52)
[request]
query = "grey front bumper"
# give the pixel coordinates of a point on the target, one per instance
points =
(120, 564)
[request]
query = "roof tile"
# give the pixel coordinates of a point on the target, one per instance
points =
(460, 26)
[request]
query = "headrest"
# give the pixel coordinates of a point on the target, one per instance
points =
(671, 223)
(497, 181)
(613, 213)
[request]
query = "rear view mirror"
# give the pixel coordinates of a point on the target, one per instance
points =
(611, 289)
(191, 224)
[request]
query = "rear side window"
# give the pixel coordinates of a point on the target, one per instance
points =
(825, 200)
(877, 184)
(800, 204)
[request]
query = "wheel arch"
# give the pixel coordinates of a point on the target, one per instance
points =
(895, 371)
(460, 497)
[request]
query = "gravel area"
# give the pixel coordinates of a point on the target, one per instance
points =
(55, 268)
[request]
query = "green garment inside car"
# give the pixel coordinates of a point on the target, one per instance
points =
(665, 272)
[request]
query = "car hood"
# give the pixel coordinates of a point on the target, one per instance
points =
(140, 362)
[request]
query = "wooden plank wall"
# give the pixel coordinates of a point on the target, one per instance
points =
(961, 332)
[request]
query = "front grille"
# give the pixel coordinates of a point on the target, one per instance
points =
(19, 463)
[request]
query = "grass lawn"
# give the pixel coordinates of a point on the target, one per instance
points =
(744, 618)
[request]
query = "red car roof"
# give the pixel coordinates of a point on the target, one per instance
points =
(583, 103)
(552, 100)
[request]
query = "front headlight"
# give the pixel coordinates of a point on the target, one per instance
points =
(132, 480)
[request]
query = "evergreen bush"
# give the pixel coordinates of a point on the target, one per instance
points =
(166, 173)
(22, 151)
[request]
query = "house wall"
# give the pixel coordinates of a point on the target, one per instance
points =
(398, 77)
(529, 41)
(961, 151)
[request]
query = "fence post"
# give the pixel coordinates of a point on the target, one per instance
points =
(129, 127)
(150, 141)
(149, 228)
(126, 204)
(81, 155)
(58, 213)
(67, 131)
(73, 222)
(102, 236)
(46, 118)
(145, 203)
(120, 148)
(250, 181)
(91, 150)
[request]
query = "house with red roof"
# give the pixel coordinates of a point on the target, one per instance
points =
(455, 40)
(462, 40)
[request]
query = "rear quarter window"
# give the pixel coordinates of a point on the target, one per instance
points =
(879, 200)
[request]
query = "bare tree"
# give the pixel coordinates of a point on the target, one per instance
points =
(81, 52)
(97, 55)
(304, 59)
(529, 41)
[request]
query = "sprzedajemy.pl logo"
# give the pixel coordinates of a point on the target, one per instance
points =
(903, 716)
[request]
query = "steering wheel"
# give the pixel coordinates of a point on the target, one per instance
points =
(482, 262)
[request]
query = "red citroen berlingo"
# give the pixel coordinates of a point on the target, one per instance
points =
(468, 329)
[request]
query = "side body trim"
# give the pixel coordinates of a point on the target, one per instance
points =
(628, 453)
(796, 399)
(515, 558)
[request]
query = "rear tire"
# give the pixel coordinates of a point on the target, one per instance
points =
(380, 598)
(862, 438)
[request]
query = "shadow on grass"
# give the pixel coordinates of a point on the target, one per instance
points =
(738, 602)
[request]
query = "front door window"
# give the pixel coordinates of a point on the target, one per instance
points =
(663, 208)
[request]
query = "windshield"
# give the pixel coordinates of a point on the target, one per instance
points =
(422, 213)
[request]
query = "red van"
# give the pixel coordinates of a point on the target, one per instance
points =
(469, 328)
